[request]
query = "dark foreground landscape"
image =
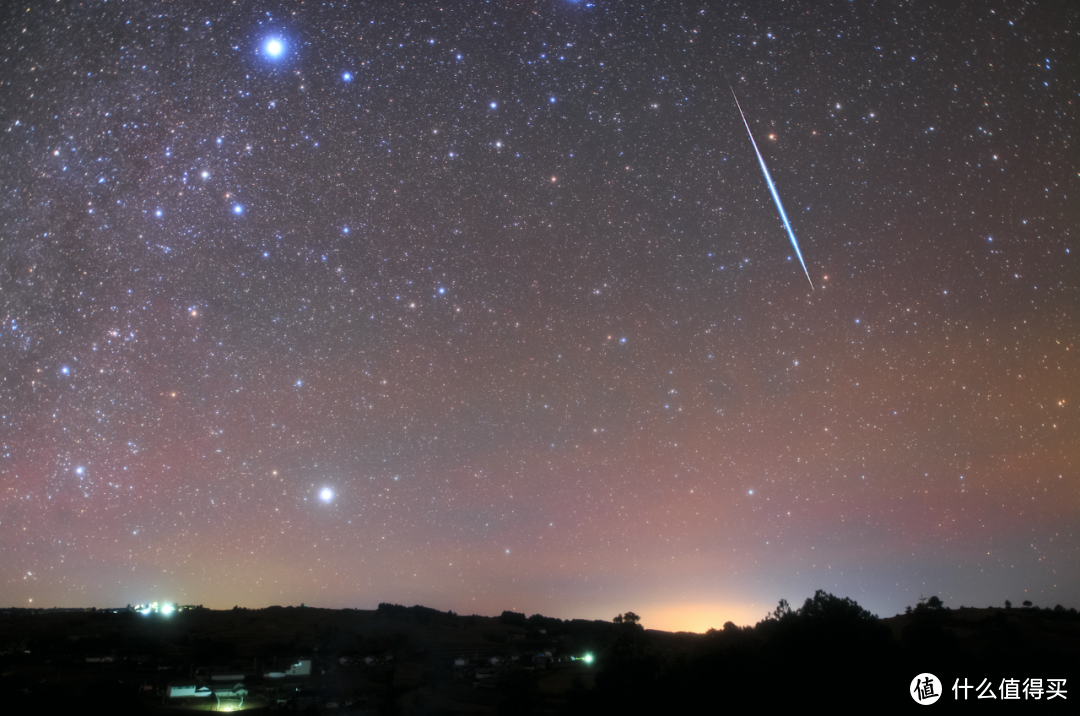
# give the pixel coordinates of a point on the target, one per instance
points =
(415, 660)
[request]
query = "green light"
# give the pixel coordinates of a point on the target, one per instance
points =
(588, 658)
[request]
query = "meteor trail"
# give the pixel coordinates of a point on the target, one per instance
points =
(772, 188)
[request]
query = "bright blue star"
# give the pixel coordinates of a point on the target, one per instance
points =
(65, 370)
(494, 105)
(238, 209)
(347, 76)
(441, 290)
(274, 47)
(326, 495)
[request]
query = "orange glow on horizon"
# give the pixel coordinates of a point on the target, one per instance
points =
(700, 618)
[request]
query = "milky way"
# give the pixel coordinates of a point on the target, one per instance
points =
(479, 306)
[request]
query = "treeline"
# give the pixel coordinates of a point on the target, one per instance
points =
(416, 613)
(829, 650)
(553, 626)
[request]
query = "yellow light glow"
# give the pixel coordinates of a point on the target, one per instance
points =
(699, 617)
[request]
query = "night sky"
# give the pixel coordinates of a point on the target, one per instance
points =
(487, 305)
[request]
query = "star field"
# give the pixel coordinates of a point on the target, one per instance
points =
(486, 306)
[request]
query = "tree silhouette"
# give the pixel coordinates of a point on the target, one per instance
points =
(626, 637)
(827, 607)
(831, 637)
(927, 635)
(933, 603)
(789, 655)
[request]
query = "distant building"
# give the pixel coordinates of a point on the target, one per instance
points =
(302, 667)
(188, 690)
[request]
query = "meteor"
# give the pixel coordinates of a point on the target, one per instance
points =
(772, 188)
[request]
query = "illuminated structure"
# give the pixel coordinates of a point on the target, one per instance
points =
(302, 667)
(187, 691)
(154, 608)
(230, 698)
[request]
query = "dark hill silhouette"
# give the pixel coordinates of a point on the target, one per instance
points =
(834, 652)
(398, 659)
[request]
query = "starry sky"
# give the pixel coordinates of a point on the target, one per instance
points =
(487, 305)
